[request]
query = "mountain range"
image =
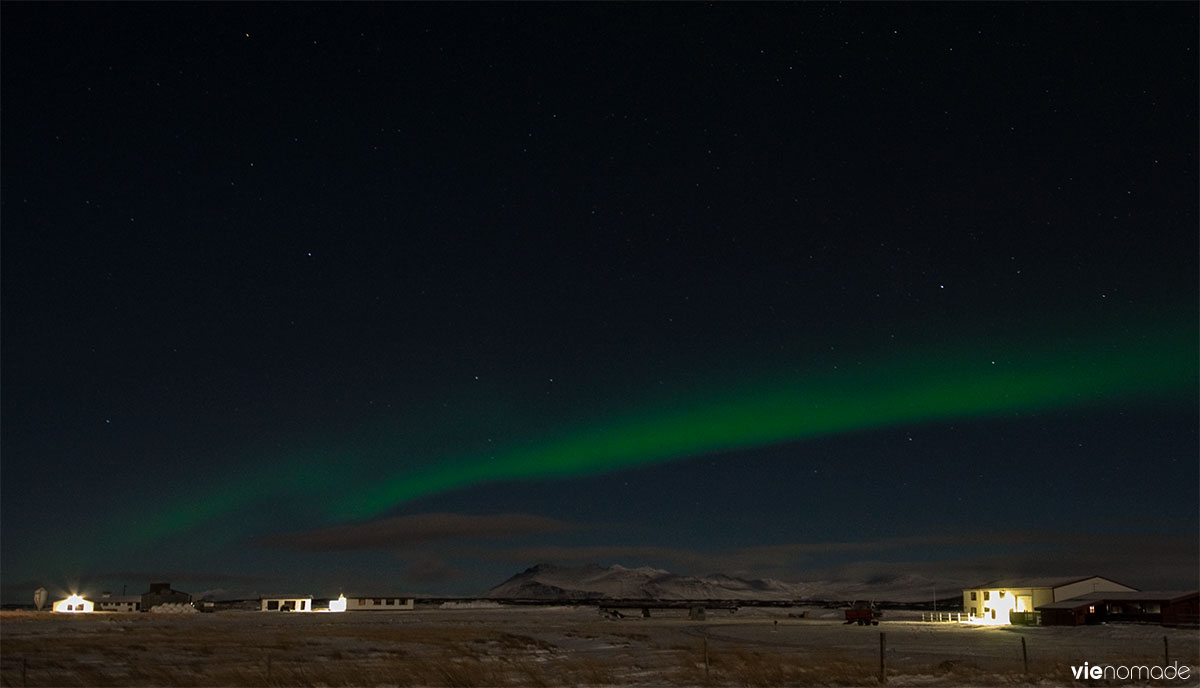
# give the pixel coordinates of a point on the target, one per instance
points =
(565, 583)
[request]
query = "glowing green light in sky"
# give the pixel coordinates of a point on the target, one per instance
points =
(360, 478)
(959, 385)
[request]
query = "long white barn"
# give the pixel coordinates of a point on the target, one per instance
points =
(378, 603)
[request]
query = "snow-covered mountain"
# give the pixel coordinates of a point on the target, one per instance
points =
(548, 582)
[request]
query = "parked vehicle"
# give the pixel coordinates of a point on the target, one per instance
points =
(864, 614)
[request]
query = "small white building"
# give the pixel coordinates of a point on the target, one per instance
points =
(994, 602)
(378, 603)
(109, 602)
(287, 603)
(74, 605)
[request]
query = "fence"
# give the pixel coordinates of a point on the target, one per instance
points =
(944, 617)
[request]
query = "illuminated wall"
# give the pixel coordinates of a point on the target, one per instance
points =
(74, 605)
(287, 604)
(991, 605)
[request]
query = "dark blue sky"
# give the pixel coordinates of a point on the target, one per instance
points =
(260, 259)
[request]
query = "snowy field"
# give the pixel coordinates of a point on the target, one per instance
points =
(560, 646)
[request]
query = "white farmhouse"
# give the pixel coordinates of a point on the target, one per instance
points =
(287, 603)
(995, 601)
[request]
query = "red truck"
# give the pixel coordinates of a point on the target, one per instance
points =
(864, 614)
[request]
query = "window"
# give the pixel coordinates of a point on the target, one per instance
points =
(973, 594)
(391, 602)
(377, 602)
(974, 611)
(361, 601)
(987, 594)
(272, 605)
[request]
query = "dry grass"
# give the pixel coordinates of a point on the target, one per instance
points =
(332, 655)
(740, 666)
(452, 650)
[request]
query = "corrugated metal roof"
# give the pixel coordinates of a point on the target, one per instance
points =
(1124, 596)
(1044, 582)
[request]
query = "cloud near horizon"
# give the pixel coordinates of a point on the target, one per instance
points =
(412, 530)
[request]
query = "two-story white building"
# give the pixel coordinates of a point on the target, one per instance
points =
(995, 601)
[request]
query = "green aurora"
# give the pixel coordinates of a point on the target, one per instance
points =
(937, 386)
(906, 392)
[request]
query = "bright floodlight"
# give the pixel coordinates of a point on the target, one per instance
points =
(338, 605)
(74, 605)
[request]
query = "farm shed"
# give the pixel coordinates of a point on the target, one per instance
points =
(287, 603)
(109, 602)
(1183, 610)
(995, 601)
(1168, 607)
(378, 603)
(161, 593)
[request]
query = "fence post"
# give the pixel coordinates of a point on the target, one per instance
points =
(882, 651)
(1166, 652)
(1024, 655)
(706, 659)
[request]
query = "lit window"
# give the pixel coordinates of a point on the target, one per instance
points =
(361, 601)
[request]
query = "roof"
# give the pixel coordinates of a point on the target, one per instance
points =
(286, 597)
(378, 596)
(120, 599)
(1101, 596)
(1149, 595)
(1043, 582)
(1073, 603)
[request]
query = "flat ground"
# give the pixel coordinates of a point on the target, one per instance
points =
(558, 646)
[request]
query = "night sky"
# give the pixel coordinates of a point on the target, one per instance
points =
(409, 297)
